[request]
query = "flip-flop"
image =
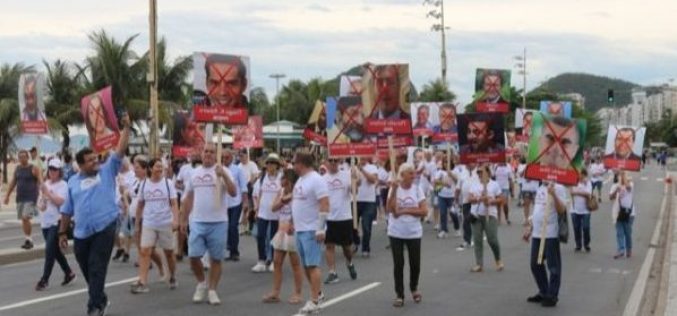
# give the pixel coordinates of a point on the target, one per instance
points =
(417, 297)
(398, 302)
(268, 299)
(476, 269)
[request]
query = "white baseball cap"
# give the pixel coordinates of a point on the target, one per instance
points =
(55, 163)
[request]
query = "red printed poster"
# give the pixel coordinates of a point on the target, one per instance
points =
(384, 96)
(492, 90)
(346, 135)
(624, 147)
(523, 121)
(31, 104)
(250, 135)
(188, 136)
(221, 87)
(481, 138)
(100, 119)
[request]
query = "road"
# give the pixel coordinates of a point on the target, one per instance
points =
(592, 284)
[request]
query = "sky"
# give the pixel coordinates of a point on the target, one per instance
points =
(635, 40)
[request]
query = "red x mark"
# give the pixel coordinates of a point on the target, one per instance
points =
(353, 87)
(625, 141)
(447, 118)
(99, 115)
(380, 89)
(557, 141)
(345, 126)
(221, 79)
(492, 84)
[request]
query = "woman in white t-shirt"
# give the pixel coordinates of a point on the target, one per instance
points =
(485, 197)
(623, 212)
(406, 206)
(267, 220)
(580, 214)
(284, 242)
(54, 191)
(158, 207)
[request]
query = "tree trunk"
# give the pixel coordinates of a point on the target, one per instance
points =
(66, 140)
(3, 156)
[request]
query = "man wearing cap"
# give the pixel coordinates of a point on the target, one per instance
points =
(266, 190)
(237, 204)
(26, 180)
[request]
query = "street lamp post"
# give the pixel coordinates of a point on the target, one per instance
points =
(277, 78)
(438, 14)
(522, 70)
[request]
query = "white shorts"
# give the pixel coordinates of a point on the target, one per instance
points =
(153, 237)
(284, 242)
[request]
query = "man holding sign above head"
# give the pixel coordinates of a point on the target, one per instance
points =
(221, 88)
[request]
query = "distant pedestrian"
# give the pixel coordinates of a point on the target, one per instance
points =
(580, 215)
(27, 179)
(623, 212)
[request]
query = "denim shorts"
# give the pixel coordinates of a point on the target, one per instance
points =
(308, 248)
(207, 237)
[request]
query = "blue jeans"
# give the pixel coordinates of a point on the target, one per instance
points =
(624, 235)
(265, 230)
(445, 209)
(93, 254)
(551, 256)
(366, 212)
(581, 224)
(53, 253)
(233, 231)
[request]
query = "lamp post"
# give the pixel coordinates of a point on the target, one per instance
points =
(277, 78)
(437, 13)
(522, 70)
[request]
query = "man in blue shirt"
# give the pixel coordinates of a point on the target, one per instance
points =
(91, 201)
(239, 203)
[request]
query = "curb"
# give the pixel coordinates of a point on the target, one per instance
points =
(16, 255)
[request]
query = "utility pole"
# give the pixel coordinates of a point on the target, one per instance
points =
(277, 78)
(522, 70)
(152, 81)
(438, 14)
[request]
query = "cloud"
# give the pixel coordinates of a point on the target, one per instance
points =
(317, 7)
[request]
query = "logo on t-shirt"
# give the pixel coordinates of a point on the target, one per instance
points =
(88, 183)
(335, 184)
(206, 180)
(154, 195)
(298, 193)
(270, 186)
(406, 202)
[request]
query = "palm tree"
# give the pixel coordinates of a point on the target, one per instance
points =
(63, 105)
(9, 108)
(436, 91)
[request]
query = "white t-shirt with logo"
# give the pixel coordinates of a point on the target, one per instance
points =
(251, 170)
(51, 215)
(266, 191)
(157, 211)
(580, 202)
(203, 185)
(625, 197)
(597, 168)
(308, 191)
(447, 191)
(540, 202)
(503, 174)
(493, 191)
(338, 185)
(406, 226)
(366, 192)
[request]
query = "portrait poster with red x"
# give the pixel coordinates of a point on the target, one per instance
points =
(385, 99)
(350, 86)
(523, 121)
(556, 108)
(100, 119)
(316, 129)
(492, 90)
(624, 146)
(346, 135)
(555, 149)
(481, 138)
(187, 135)
(31, 104)
(250, 135)
(220, 88)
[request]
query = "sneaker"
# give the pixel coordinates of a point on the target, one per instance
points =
(68, 279)
(549, 302)
(352, 271)
(577, 249)
(365, 254)
(102, 311)
(234, 258)
(200, 293)
(42, 285)
(332, 278)
(587, 249)
(310, 308)
(125, 258)
(535, 299)
(259, 267)
(118, 254)
(321, 298)
(458, 233)
(139, 288)
(214, 298)
(173, 284)
(619, 255)
(27, 244)
(436, 228)
(461, 247)
(271, 267)
(442, 235)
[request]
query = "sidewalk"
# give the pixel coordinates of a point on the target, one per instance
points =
(670, 264)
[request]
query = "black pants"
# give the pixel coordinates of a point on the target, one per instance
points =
(467, 227)
(93, 254)
(53, 253)
(414, 249)
(548, 286)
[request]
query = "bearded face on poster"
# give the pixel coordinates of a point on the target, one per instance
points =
(351, 118)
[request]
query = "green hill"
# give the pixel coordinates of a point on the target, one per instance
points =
(593, 88)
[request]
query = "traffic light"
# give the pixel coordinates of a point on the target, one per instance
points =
(610, 96)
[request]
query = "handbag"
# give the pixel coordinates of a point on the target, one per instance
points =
(624, 214)
(563, 227)
(591, 204)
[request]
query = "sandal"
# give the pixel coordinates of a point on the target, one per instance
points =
(499, 266)
(417, 297)
(270, 298)
(295, 299)
(476, 269)
(398, 302)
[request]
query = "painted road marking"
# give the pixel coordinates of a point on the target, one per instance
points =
(61, 295)
(347, 295)
(644, 178)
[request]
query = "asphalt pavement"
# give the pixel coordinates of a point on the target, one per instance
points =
(592, 284)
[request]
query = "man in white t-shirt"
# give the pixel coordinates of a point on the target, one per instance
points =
(180, 184)
(597, 172)
(310, 209)
(208, 217)
(504, 177)
(366, 201)
(549, 202)
(340, 220)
